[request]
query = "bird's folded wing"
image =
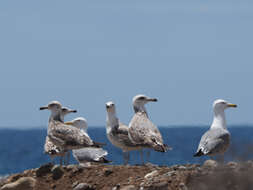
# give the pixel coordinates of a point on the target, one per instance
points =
(71, 135)
(212, 141)
(142, 130)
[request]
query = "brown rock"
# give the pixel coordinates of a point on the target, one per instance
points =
(83, 186)
(24, 183)
(210, 164)
(129, 187)
(44, 170)
(57, 172)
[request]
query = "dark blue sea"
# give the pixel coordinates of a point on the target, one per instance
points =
(23, 149)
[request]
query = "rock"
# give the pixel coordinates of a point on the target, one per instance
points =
(249, 163)
(117, 187)
(171, 173)
(83, 186)
(57, 172)
(23, 183)
(182, 168)
(43, 170)
(210, 164)
(232, 165)
(182, 186)
(69, 167)
(75, 184)
(108, 172)
(151, 174)
(129, 187)
(148, 164)
(159, 186)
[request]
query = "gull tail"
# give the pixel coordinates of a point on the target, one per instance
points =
(98, 144)
(104, 160)
(199, 153)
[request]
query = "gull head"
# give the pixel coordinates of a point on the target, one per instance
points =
(66, 110)
(140, 100)
(80, 123)
(110, 107)
(221, 105)
(54, 106)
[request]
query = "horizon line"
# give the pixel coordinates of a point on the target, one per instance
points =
(101, 126)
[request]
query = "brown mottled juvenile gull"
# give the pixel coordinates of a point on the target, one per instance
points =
(142, 131)
(85, 156)
(217, 139)
(65, 136)
(117, 132)
(49, 147)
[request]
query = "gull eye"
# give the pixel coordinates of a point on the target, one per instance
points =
(142, 98)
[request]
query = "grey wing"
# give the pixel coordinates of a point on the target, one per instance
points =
(143, 131)
(89, 154)
(214, 141)
(69, 136)
(122, 134)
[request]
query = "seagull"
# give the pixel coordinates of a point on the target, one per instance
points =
(87, 155)
(117, 132)
(49, 147)
(142, 131)
(65, 136)
(217, 139)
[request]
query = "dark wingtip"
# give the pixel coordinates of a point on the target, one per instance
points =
(198, 154)
(104, 160)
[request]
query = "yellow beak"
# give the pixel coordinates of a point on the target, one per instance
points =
(232, 105)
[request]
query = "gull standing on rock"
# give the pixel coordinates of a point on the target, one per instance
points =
(65, 136)
(217, 139)
(142, 131)
(50, 148)
(117, 133)
(87, 155)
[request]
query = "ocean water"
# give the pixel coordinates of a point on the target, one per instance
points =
(23, 149)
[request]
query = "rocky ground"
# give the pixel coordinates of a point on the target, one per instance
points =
(209, 176)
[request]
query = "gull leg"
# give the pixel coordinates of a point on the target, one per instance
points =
(125, 158)
(148, 155)
(52, 159)
(128, 157)
(61, 160)
(141, 155)
(68, 156)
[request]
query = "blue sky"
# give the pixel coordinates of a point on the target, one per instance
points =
(84, 53)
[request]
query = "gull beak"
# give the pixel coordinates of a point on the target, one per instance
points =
(44, 108)
(152, 100)
(232, 105)
(68, 123)
(73, 111)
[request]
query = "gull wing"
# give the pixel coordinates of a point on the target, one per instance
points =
(142, 131)
(214, 141)
(68, 136)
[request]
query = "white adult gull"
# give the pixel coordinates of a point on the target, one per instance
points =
(117, 132)
(65, 136)
(142, 131)
(49, 147)
(217, 139)
(85, 156)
